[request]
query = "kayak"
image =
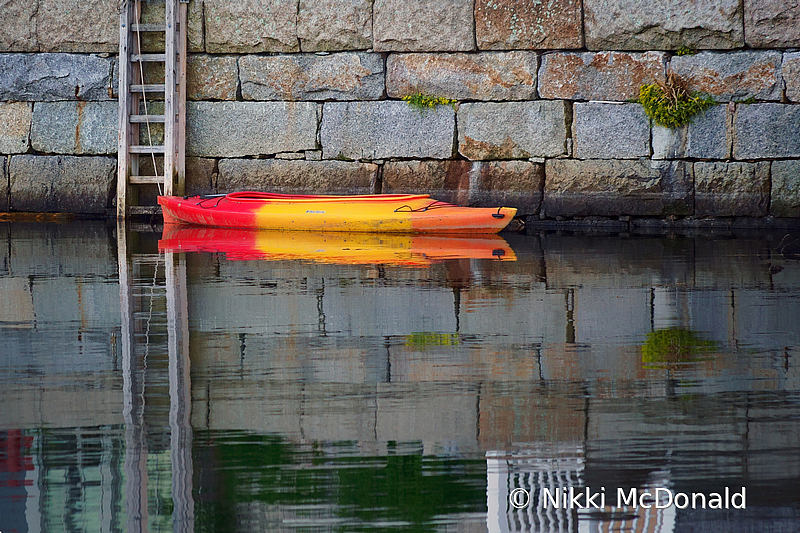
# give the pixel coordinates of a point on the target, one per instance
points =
(409, 250)
(392, 213)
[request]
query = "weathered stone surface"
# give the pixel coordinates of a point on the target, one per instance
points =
(423, 26)
(379, 130)
(728, 189)
(19, 26)
(250, 26)
(154, 132)
(513, 130)
(201, 176)
(334, 25)
(51, 77)
(153, 73)
(75, 127)
(771, 23)
(791, 75)
(476, 183)
(613, 188)
(211, 77)
(766, 131)
(342, 76)
(598, 75)
(707, 137)
(59, 26)
(528, 24)
(195, 38)
(483, 76)
(60, 183)
(732, 75)
(15, 127)
(214, 129)
(610, 131)
(785, 199)
(663, 25)
(443, 179)
(77, 26)
(4, 183)
(509, 183)
(336, 177)
(292, 156)
(114, 89)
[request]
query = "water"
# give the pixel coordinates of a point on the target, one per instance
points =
(299, 383)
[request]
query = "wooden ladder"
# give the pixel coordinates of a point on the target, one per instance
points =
(135, 104)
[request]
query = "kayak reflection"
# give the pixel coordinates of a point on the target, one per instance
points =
(340, 248)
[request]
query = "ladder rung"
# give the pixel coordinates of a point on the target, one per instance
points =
(144, 149)
(141, 119)
(148, 88)
(148, 27)
(152, 58)
(144, 209)
(141, 180)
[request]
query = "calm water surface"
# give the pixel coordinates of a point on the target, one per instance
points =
(263, 382)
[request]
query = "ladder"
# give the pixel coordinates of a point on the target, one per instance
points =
(136, 98)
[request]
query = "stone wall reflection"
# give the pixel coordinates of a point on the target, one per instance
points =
(526, 360)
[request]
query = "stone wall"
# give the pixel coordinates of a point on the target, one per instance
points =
(307, 96)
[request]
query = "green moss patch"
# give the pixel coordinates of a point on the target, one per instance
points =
(671, 104)
(423, 102)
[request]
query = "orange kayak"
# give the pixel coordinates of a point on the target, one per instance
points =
(384, 213)
(340, 248)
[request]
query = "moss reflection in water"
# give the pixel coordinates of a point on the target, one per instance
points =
(403, 491)
(665, 347)
(425, 339)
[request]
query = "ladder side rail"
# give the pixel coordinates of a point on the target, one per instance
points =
(181, 136)
(170, 96)
(124, 136)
